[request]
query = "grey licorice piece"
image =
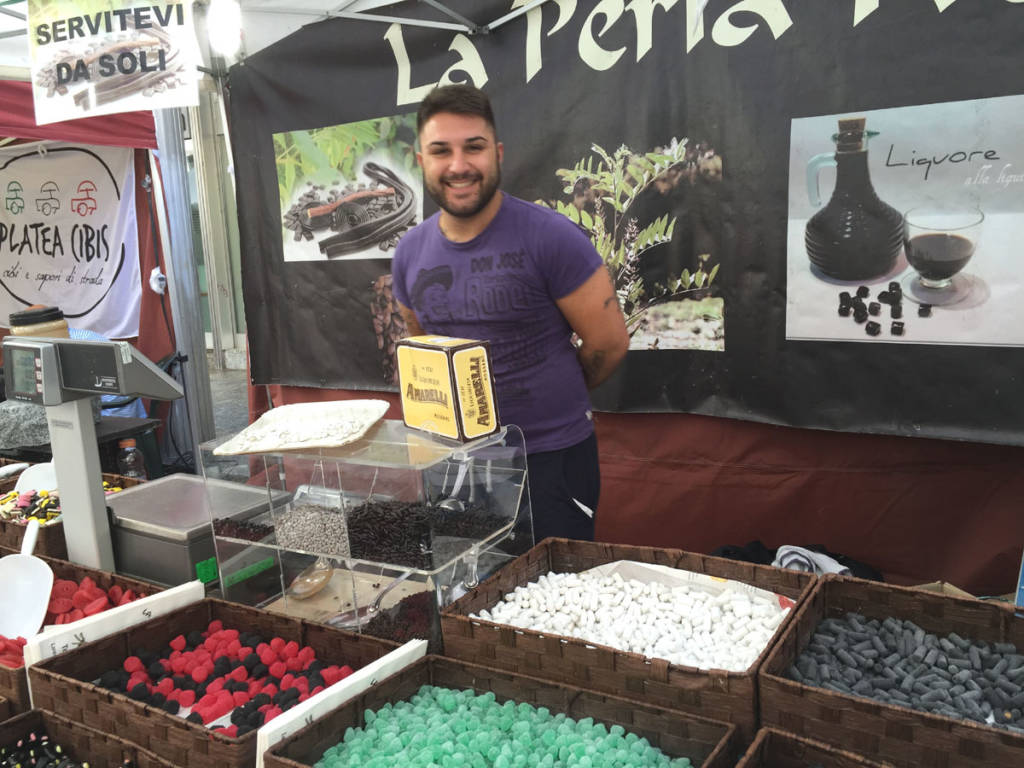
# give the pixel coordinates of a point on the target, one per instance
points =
(921, 651)
(962, 676)
(946, 645)
(959, 641)
(883, 683)
(972, 685)
(839, 687)
(1016, 673)
(1001, 666)
(825, 671)
(845, 657)
(1008, 687)
(863, 687)
(1004, 647)
(931, 656)
(935, 695)
(796, 674)
(900, 695)
(975, 657)
(909, 682)
(971, 695)
(891, 659)
(957, 690)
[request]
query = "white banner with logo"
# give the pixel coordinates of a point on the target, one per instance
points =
(68, 236)
(96, 57)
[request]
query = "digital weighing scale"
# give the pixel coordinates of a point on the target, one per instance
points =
(61, 375)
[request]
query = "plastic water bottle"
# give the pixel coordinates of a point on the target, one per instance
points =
(130, 461)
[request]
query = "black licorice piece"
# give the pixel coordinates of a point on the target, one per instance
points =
(884, 297)
(844, 310)
(863, 292)
(874, 309)
(924, 310)
(872, 329)
(845, 298)
(896, 311)
(860, 316)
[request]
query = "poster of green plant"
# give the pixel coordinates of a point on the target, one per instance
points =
(655, 218)
(348, 191)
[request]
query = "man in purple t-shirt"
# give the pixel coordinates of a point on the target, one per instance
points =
(525, 278)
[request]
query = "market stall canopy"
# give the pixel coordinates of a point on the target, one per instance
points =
(125, 129)
(266, 21)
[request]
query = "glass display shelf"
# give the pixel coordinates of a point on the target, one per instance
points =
(378, 533)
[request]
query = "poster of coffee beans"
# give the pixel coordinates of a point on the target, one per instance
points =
(809, 210)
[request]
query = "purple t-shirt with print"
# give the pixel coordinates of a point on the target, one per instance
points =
(501, 286)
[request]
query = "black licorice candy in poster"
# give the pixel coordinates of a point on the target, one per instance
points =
(700, 239)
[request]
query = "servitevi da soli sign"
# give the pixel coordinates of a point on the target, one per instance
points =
(96, 57)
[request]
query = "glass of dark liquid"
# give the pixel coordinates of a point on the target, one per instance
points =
(939, 242)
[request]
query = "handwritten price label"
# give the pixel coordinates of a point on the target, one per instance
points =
(298, 717)
(67, 637)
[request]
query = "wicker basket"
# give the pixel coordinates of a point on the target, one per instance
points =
(5, 709)
(64, 683)
(707, 743)
(50, 542)
(81, 743)
(883, 732)
(726, 696)
(778, 749)
(13, 682)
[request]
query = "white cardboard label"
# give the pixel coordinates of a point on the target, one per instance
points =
(301, 715)
(55, 640)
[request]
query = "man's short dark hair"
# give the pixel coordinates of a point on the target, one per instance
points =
(456, 99)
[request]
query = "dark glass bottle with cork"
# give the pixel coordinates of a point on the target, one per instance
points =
(856, 236)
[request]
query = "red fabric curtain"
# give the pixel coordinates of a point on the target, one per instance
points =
(126, 129)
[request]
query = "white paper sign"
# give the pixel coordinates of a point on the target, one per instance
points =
(97, 57)
(59, 639)
(298, 717)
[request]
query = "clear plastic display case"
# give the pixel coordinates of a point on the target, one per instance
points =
(377, 535)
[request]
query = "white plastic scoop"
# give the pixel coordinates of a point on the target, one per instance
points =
(27, 582)
(38, 477)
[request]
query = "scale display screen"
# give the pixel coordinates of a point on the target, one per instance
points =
(23, 367)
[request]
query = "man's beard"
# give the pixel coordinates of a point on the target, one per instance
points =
(488, 187)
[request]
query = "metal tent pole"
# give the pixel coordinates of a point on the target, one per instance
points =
(183, 283)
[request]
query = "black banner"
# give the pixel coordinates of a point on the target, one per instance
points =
(680, 133)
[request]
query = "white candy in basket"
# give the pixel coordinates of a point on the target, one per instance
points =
(686, 618)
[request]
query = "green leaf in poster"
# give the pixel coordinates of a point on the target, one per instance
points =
(314, 161)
